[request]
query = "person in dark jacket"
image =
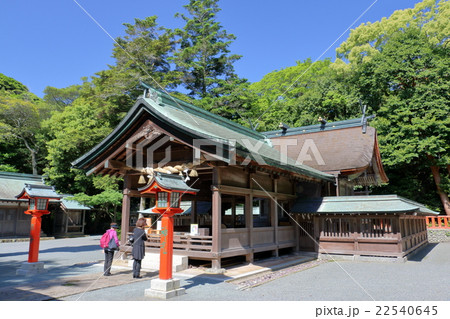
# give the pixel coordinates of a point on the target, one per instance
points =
(138, 252)
(109, 252)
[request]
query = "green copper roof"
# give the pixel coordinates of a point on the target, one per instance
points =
(383, 204)
(12, 184)
(38, 191)
(169, 181)
(197, 123)
(72, 204)
(329, 126)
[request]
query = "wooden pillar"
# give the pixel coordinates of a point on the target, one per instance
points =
(274, 215)
(125, 226)
(83, 220)
(194, 212)
(297, 227)
(317, 223)
(356, 221)
(216, 220)
(249, 217)
(216, 227)
(233, 211)
(249, 224)
(66, 226)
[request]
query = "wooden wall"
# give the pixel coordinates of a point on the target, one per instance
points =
(371, 235)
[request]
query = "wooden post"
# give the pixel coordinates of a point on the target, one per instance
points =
(216, 227)
(274, 214)
(317, 233)
(83, 220)
(194, 212)
(356, 221)
(248, 215)
(125, 225)
(249, 218)
(66, 226)
(216, 220)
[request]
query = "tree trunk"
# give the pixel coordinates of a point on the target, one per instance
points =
(437, 180)
(33, 156)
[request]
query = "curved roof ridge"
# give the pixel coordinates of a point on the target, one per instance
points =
(178, 103)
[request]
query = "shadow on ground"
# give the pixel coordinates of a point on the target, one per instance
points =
(68, 249)
(422, 253)
(54, 271)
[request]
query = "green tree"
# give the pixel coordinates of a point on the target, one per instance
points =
(203, 56)
(60, 98)
(300, 94)
(70, 134)
(410, 79)
(11, 86)
(367, 40)
(20, 119)
(141, 55)
(107, 200)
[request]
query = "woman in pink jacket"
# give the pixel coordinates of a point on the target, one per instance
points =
(109, 251)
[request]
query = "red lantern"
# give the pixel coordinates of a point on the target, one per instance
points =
(38, 197)
(168, 190)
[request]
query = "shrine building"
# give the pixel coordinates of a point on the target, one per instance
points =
(252, 198)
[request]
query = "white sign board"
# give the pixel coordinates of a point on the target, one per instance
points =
(194, 229)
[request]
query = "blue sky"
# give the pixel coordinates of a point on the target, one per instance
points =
(54, 43)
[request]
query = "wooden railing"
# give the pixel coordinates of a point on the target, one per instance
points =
(183, 242)
(440, 222)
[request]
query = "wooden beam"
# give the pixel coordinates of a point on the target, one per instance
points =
(232, 190)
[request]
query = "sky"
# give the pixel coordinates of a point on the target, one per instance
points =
(55, 43)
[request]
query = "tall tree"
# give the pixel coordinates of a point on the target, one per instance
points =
(21, 113)
(300, 94)
(60, 98)
(398, 65)
(203, 56)
(141, 55)
(410, 77)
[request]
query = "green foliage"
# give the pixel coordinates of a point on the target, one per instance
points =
(11, 86)
(60, 98)
(366, 41)
(107, 201)
(141, 55)
(300, 94)
(70, 134)
(412, 82)
(20, 121)
(203, 57)
(8, 168)
(400, 67)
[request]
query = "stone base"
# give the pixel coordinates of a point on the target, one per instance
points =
(164, 289)
(151, 262)
(31, 269)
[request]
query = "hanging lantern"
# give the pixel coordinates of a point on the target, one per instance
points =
(142, 180)
(193, 173)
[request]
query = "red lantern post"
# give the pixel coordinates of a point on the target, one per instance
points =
(38, 197)
(168, 190)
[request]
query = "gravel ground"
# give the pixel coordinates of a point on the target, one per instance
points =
(61, 257)
(423, 278)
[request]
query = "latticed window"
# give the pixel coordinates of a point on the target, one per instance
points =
(162, 199)
(41, 204)
(175, 200)
(376, 227)
(337, 227)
